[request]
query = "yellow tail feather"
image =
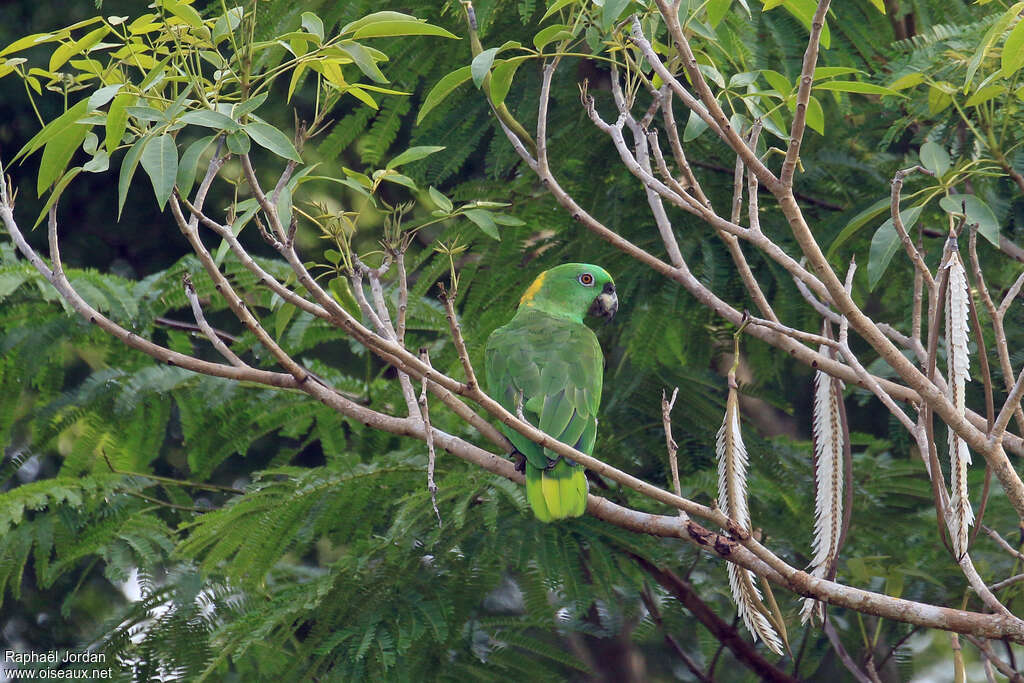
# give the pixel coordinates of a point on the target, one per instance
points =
(556, 493)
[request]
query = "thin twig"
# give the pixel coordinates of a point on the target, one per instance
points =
(670, 444)
(994, 535)
(431, 455)
(192, 327)
(897, 221)
(1017, 578)
(652, 609)
(844, 656)
(803, 95)
(211, 334)
(448, 299)
(996, 317)
(1006, 669)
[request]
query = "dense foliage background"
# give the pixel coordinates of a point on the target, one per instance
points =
(332, 564)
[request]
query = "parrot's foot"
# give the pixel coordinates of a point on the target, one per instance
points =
(520, 460)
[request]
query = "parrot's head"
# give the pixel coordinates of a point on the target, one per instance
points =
(573, 290)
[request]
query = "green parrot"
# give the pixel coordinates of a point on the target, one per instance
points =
(546, 366)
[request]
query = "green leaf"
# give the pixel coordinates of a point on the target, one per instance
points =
(823, 72)
(103, 95)
(442, 89)
(209, 118)
(559, 4)
(857, 87)
(284, 207)
(985, 94)
(938, 99)
(68, 50)
(550, 34)
(611, 11)
(189, 160)
(238, 142)
(313, 24)
(160, 162)
(856, 223)
(265, 135)
(988, 41)
(815, 115)
(147, 114)
(717, 9)
(57, 190)
(57, 153)
(399, 179)
(413, 154)
(184, 12)
(31, 41)
(886, 242)
(1013, 51)
(382, 29)
(128, 166)
(505, 219)
(440, 200)
(907, 81)
(977, 211)
(364, 61)
(54, 128)
(282, 317)
(482, 65)
(376, 17)
(935, 158)
(342, 293)
(501, 78)
(117, 120)
(99, 163)
(777, 81)
(695, 125)
(362, 96)
(484, 221)
(248, 106)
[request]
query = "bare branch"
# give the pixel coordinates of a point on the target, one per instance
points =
(711, 111)
(994, 535)
(803, 95)
(670, 444)
(431, 455)
(844, 656)
(1017, 578)
(897, 221)
(990, 656)
(211, 334)
(448, 299)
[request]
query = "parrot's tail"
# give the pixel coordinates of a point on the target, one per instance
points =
(557, 492)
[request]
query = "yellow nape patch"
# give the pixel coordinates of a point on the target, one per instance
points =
(532, 290)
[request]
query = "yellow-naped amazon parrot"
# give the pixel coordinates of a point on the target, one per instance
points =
(547, 364)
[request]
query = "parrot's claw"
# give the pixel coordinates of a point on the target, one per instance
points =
(520, 460)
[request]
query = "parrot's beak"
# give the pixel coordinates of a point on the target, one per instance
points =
(606, 303)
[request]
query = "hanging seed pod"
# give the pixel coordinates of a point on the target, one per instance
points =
(958, 370)
(828, 483)
(732, 499)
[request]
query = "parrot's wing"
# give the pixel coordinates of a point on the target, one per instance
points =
(554, 367)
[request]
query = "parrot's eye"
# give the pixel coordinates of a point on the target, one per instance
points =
(587, 280)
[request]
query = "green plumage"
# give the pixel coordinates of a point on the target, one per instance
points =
(547, 362)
